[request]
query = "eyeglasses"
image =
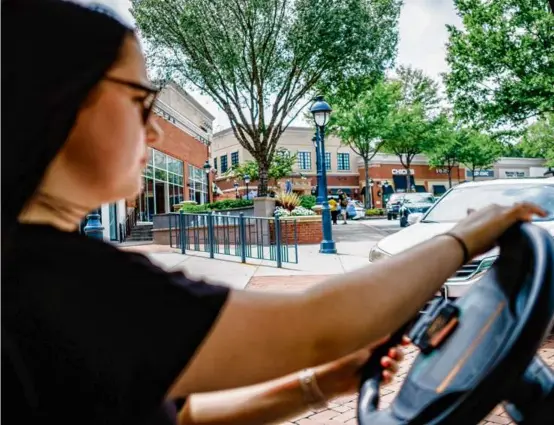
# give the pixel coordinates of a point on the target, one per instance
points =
(149, 99)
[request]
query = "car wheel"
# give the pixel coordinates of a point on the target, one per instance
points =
(394, 217)
(389, 216)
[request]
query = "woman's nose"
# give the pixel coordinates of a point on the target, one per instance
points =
(154, 133)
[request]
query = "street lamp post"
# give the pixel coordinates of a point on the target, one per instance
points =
(236, 186)
(247, 182)
(207, 168)
(321, 112)
(385, 186)
(319, 194)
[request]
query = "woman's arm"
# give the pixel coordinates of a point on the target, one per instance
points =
(260, 336)
(281, 399)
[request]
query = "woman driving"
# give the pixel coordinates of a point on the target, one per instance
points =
(95, 335)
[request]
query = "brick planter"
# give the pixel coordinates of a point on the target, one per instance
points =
(308, 230)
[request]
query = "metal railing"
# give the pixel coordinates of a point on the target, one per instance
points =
(126, 227)
(261, 238)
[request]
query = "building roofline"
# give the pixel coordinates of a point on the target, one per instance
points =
(191, 99)
(294, 128)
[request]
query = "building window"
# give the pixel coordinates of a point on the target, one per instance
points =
(163, 185)
(215, 162)
(234, 159)
(224, 164)
(343, 161)
(198, 185)
(328, 161)
(305, 160)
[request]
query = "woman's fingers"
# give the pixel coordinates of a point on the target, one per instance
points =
(525, 211)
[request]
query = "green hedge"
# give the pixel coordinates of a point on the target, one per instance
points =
(374, 212)
(307, 201)
(225, 204)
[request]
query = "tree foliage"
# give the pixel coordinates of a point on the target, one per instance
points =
(447, 148)
(259, 60)
(480, 151)
(363, 123)
(538, 140)
(502, 61)
(413, 122)
(281, 166)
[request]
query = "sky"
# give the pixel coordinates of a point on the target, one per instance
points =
(422, 43)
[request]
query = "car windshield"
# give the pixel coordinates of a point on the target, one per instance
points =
(418, 197)
(453, 206)
(396, 197)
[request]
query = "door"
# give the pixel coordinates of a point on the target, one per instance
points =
(113, 222)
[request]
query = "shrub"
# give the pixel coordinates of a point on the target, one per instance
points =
(227, 204)
(281, 212)
(195, 209)
(307, 201)
(287, 200)
(375, 212)
(301, 211)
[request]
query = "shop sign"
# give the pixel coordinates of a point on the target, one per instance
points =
(512, 174)
(402, 171)
(441, 170)
(480, 173)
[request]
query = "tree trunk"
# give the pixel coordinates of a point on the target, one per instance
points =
(450, 178)
(263, 171)
(367, 203)
(473, 173)
(408, 176)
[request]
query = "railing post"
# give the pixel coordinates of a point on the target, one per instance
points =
(278, 241)
(211, 233)
(242, 228)
(182, 231)
(169, 217)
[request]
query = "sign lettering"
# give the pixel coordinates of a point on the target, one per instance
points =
(402, 172)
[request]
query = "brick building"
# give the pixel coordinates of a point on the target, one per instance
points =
(345, 170)
(175, 170)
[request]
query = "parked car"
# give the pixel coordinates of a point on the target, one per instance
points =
(393, 205)
(414, 205)
(453, 206)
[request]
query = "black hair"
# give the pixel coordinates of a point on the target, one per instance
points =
(54, 52)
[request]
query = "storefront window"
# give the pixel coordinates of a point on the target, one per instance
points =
(163, 185)
(198, 185)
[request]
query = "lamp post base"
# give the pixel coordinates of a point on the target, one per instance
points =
(327, 247)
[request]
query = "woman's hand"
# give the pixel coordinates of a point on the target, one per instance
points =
(482, 228)
(342, 376)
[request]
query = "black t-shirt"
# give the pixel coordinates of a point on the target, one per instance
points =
(99, 334)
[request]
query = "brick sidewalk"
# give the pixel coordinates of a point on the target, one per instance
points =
(343, 410)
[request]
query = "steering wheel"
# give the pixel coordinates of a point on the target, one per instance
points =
(480, 350)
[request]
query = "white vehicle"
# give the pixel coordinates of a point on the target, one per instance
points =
(453, 206)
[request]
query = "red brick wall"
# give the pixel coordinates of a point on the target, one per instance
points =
(183, 146)
(307, 232)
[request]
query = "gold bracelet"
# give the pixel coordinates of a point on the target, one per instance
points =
(312, 393)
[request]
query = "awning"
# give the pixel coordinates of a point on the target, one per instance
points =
(439, 189)
(400, 183)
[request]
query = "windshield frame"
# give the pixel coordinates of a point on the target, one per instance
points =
(445, 195)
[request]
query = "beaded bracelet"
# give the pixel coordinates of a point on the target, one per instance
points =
(312, 393)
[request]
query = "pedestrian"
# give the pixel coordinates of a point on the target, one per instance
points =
(333, 206)
(95, 335)
(343, 201)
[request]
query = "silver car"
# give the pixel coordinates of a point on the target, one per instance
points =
(453, 206)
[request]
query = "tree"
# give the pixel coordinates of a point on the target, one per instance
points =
(259, 60)
(412, 124)
(410, 133)
(362, 124)
(538, 140)
(281, 166)
(446, 150)
(501, 63)
(479, 152)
